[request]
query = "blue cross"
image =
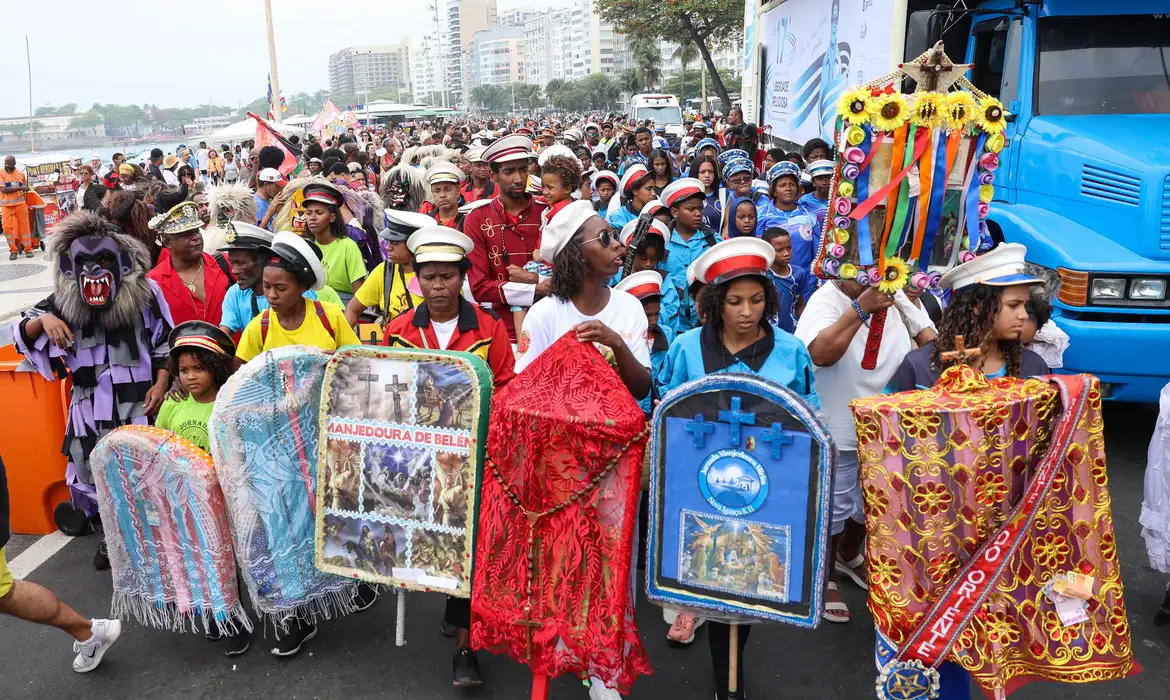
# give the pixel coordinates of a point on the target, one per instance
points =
(778, 438)
(736, 419)
(699, 429)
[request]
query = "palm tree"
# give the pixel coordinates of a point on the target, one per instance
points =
(648, 60)
(686, 53)
(628, 81)
(528, 95)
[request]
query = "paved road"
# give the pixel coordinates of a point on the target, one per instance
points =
(356, 659)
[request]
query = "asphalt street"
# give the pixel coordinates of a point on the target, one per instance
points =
(355, 658)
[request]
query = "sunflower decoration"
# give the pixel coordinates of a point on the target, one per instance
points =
(894, 276)
(854, 105)
(960, 107)
(888, 111)
(991, 116)
(929, 109)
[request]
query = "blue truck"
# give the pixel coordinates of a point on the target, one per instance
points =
(1084, 182)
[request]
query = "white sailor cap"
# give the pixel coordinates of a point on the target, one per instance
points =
(733, 258)
(605, 175)
(401, 224)
(475, 154)
(626, 236)
(445, 171)
(554, 150)
(564, 224)
(642, 285)
(635, 172)
(818, 168)
(508, 148)
(1003, 266)
(652, 207)
(682, 188)
(535, 186)
(439, 244)
(293, 249)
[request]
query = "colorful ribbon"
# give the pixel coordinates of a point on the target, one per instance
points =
(864, 243)
(971, 198)
(902, 208)
(949, 148)
(926, 177)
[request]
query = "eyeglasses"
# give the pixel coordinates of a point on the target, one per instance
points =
(606, 239)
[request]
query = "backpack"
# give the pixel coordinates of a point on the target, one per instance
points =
(264, 322)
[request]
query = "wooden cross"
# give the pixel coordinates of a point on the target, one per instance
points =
(528, 624)
(397, 386)
(369, 378)
(961, 353)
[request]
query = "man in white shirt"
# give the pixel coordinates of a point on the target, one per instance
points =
(201, 157)
(835, 327)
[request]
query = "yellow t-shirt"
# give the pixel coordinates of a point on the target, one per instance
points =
(373, 290)
(342, 260)
(311, 332)
(327, 295)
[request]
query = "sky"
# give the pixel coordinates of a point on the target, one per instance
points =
(183, 54)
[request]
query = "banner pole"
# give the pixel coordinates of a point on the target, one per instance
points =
(539, 686)
(733, 660)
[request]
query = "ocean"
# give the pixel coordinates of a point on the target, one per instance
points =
(107, 152)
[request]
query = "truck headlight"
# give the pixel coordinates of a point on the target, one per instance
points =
(1147, 289)
(1107, 289)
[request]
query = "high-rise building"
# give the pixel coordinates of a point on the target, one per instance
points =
(426, 69)
(360, 68)
(546, 43)
(497, 56)
(593, 41)
(464, 19)
(517, 18)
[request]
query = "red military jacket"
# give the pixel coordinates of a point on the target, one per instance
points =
(470, 194)
(184, 305)
(477, 332)
(501, 240)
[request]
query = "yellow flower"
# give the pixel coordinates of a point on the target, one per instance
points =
(888, 112)
(854, 105)
(991, 116)
(959, 108)
(894, 276)
(929, 109)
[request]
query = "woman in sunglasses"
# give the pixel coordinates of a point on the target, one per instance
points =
(585, 253)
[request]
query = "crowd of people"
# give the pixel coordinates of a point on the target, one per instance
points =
(677, 259)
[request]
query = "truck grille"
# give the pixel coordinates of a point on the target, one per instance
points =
(1110, 185)
(1164, 228)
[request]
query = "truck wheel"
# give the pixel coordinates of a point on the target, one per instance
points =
(70, 520)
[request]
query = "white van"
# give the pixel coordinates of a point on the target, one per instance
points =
(663, 109)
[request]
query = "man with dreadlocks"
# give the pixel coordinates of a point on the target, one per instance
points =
(988, 310)
(106, 324)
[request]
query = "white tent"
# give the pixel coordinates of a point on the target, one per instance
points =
(244, 130)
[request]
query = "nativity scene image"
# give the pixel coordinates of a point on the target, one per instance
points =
(397, 481)
(454, 481)
(363, 545)
(342, 474)
(748, 559)
(446, 396)
(372, 389)
(439, 554)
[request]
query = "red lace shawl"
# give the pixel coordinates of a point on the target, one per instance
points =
(564, 456)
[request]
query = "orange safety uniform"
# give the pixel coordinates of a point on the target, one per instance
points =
(14, 212)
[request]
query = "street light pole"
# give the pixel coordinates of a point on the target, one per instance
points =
(275, 97)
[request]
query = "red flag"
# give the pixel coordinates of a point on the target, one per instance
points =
(268, 136)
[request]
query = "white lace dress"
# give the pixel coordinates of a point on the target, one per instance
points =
(1155, 517)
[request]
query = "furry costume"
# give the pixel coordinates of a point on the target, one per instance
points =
(120, 322)
(227, 202)
(404, 187)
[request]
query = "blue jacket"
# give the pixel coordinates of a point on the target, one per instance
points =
(787, 363)
(620, 217)
(659, 348)
(799, 283)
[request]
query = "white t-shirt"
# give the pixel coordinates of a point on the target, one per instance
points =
(839, 384)
(550, 318)
(444, 330)
(201, 158)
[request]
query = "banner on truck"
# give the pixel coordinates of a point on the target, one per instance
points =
(803, 78)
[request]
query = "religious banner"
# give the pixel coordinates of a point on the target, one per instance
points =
(166, 529)
(991, 539)
(740, 492)
(402, 453)
(264, 434)
(913, 182)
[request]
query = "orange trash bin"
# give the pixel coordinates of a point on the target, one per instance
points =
(31, 445)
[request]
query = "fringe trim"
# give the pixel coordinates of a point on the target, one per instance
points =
(168, 616)
(334, 604)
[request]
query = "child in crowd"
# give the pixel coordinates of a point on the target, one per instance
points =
(689, 239)
(744, 221)
(772, 157)
(645, 242)
(560, 176)
(817, 149)
(821, 172)
(785, 210)
(201, 358)
(1040, 334)
(794, 284)
(605, 185)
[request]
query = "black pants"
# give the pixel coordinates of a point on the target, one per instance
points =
(458, 613)
(719, 637)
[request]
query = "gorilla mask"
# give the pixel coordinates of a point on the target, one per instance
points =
(97, 264)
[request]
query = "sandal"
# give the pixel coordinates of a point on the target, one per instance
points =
(836, 611)
(854, 569)
(683, 629)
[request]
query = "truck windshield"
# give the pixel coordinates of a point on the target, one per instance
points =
(661, 115)
(1104, 65)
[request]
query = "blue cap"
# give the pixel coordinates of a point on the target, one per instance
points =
(732, 154)
(736, 166)
(707, 143)
(784, 167)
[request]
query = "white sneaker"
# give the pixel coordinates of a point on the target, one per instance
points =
(91, 651)
(599, 691)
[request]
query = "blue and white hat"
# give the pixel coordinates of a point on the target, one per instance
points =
(732, 154)
(1002, 266)
(784, 167)
(710, 143)
(817, 168)
(737, 166)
